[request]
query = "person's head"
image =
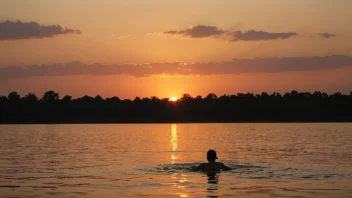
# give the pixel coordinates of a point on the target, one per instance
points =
(211, 155)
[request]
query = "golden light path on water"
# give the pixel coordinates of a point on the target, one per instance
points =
(177, 178)
(173, 142)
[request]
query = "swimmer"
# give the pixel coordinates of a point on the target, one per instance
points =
(211, 166)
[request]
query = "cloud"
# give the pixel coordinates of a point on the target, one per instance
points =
(253, 35)
(204, 31)
(235, 66)
(198, 31)
(14, 30)
(327, 35)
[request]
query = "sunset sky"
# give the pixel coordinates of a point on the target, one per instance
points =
(165, 48)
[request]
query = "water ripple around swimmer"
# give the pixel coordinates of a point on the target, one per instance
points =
(253, 171)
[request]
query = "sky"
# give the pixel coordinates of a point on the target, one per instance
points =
(163, 48)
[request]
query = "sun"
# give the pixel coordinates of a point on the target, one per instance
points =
(173, 99)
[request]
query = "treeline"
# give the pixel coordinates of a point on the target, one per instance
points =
(289, 107)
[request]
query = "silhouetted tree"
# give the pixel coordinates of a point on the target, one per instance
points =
(211, 96)
(115, 99)
(198, 98)
(30, 97)
(242, 107)
(186, 97)
(86, 98)
(14, 96)
(98, 98)
(137, 99)
(3, 99)
(50, 96)
(67, 98)
(294, 93)
(154, 98)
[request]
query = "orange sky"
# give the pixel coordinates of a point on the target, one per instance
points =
(112, 32)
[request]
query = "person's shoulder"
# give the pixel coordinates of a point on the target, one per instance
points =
(203, 164)
(223, 166)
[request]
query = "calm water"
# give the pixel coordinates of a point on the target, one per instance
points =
(269, 160)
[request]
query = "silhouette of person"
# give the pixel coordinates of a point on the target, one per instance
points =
(211, 166)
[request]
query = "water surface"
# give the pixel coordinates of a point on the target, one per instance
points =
(137, 160)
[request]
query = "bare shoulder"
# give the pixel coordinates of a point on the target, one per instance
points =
(220, 164)
(202, 165)
(199, 167)
(223, 166)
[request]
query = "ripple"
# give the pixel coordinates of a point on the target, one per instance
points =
(252, 171)
(42, 186)
(10, 186)
(75, 185)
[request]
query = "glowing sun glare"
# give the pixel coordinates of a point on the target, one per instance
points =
(173, 99)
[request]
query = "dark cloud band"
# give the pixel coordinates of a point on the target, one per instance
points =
(14, 30)
(253, 35)
(198, 31)
(203, 31)
(256, 65)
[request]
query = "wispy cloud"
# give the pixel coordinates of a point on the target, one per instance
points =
(253, 35)
(204, 31)
(235, 66)
(198, 31)
(14, 30)
(327, 35)
(120, 37)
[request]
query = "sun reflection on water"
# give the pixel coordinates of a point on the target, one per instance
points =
(178, 178)
(173, 142)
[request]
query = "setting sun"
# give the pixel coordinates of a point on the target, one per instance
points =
(174, 99)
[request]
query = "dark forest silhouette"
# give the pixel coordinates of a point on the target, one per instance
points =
(290, 107)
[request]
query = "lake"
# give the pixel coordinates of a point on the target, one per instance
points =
(138, 160)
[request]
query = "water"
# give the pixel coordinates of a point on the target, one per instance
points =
(269, 160)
